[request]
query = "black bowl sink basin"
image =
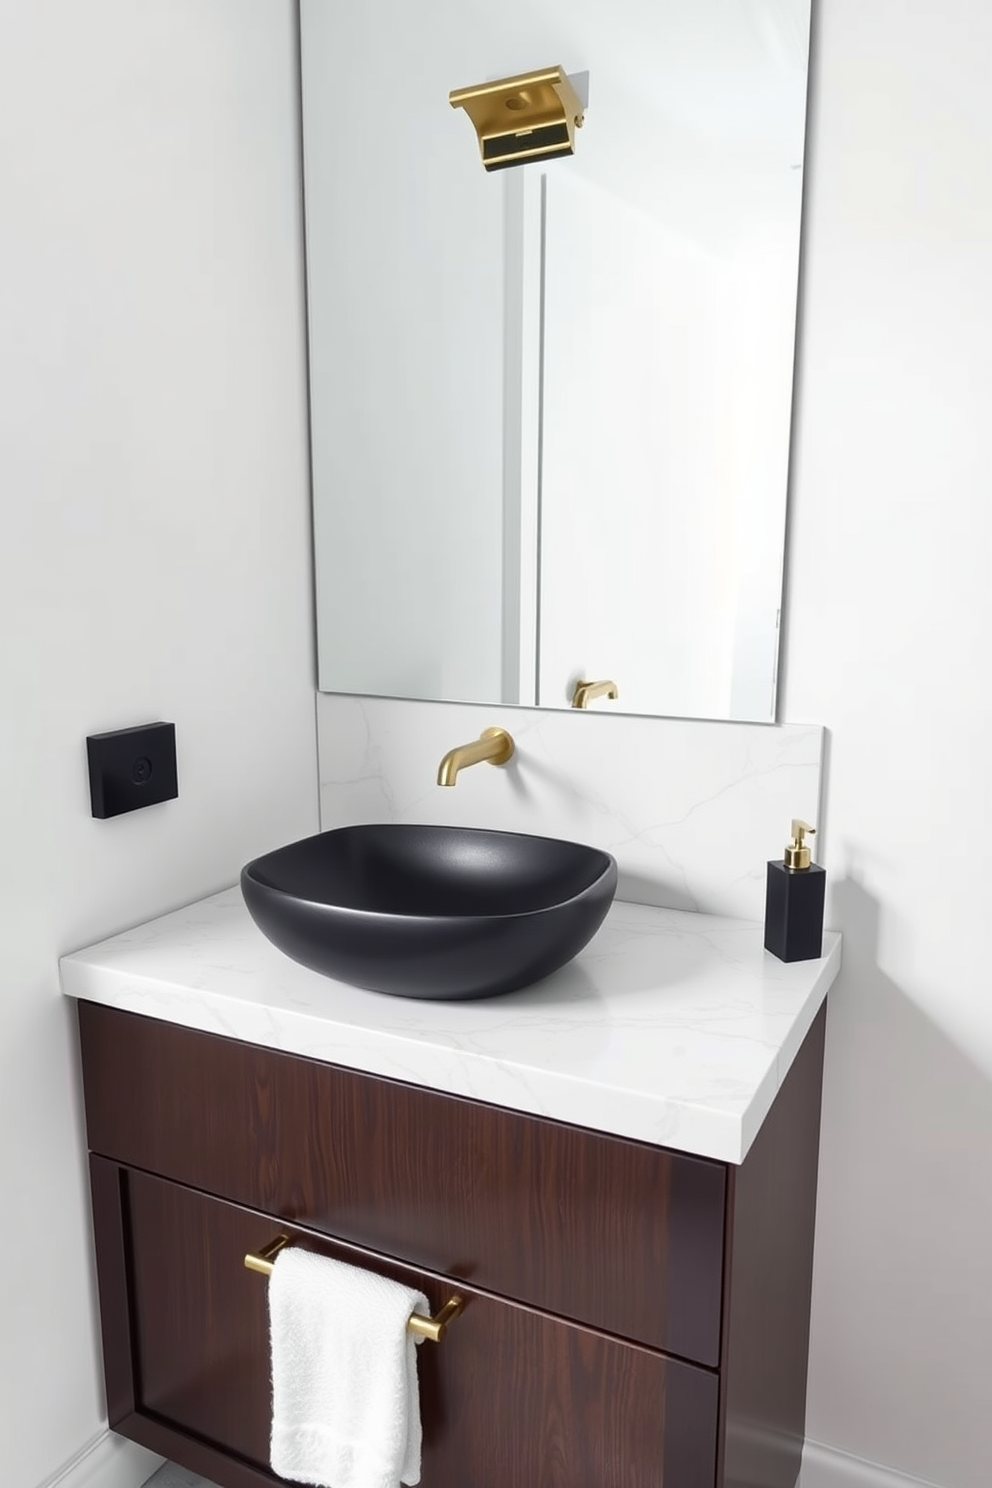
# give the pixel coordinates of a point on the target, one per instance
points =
(436, 912)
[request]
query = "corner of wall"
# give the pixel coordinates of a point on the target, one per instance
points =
(826, 1467)
(108, 1461)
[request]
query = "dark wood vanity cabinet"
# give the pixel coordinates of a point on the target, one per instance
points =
(634, 1317)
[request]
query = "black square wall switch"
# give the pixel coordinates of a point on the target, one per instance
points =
(132, 767)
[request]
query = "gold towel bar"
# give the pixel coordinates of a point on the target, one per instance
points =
(433, 1328)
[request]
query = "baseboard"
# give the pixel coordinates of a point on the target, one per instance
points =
(826, 1467)
(108, 1461)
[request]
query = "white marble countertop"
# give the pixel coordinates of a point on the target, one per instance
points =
(670, 1027)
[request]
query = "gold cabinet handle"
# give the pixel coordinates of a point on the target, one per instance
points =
(433, 1328)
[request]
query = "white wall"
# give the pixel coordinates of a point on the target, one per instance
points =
(889, 619)
(154, 559)
(692, 811)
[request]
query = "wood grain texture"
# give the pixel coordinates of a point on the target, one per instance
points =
(770, 1222)
(112, 1246)
(615, 1234)
(510, 1398)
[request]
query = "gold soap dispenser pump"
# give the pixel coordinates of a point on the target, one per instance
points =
(794, 899)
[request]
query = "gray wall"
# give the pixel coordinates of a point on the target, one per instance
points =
(154, 562)
(889, 617)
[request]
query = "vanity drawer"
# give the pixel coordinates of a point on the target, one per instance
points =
(509, 1396)
(615, 1234)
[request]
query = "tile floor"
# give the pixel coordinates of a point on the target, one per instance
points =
(171, 1476)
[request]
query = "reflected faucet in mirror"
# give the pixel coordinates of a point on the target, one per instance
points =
(586, 691)
(493, 744)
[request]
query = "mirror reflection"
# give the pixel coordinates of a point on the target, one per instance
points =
(550, 405)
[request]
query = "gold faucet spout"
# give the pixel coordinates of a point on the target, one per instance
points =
(586, 691)
(493, 744)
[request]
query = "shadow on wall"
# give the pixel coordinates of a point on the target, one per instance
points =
(901, 1298)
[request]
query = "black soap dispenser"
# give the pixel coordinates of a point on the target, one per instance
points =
(794, 901)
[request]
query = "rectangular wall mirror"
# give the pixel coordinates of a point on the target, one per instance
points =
(551, 405)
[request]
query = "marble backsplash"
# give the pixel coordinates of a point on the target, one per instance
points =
(691, 810)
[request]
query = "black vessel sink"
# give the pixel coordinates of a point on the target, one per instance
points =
(440, 912)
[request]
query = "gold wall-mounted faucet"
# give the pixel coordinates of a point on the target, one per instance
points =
(493, 744)
(586, 691)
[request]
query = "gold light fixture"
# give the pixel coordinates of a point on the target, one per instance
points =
(533, 116)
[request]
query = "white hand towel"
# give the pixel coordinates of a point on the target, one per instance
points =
(345, 1404)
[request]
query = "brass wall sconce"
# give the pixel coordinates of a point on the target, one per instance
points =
(533, 116)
